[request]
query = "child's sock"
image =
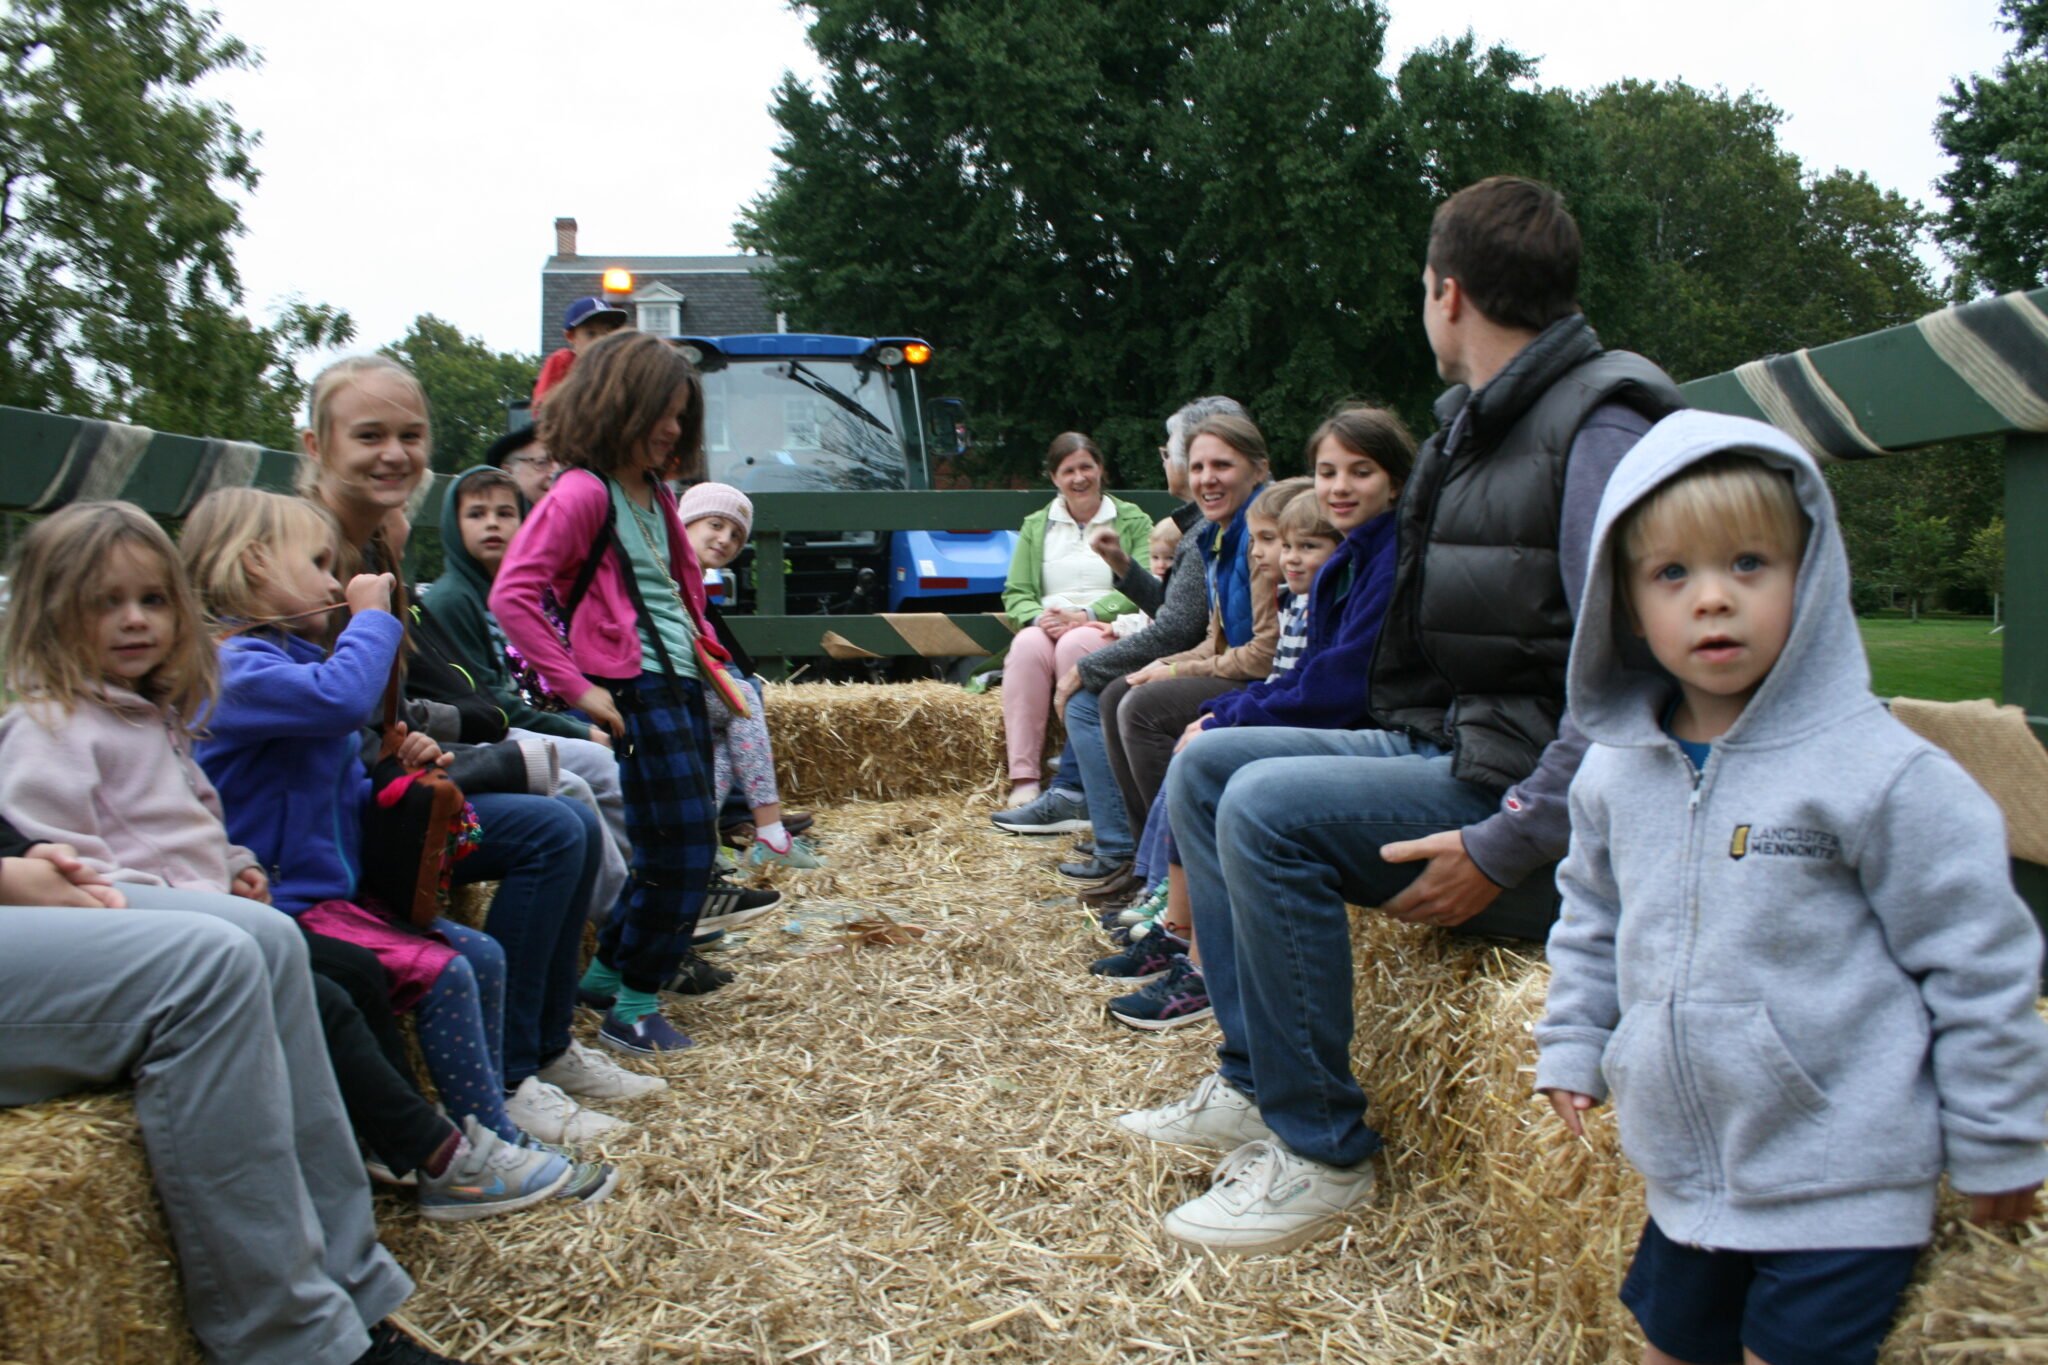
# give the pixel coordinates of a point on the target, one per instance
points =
(775, 836)
(599, 979)
(437, 1165)
(630, 1004)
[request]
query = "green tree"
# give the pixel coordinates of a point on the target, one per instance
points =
(118, 288)
(1097, 210)
(467, 386)
(1919, 556)
(1995, 129)
(1728, 248)
(1983, 564)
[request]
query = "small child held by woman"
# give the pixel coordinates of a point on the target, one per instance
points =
(718, 519)
(1338, 550)
(116, 673)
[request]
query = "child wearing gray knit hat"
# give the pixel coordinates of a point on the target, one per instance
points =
(718, 519)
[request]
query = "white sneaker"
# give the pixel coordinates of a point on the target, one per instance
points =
(588, 1074)
(1215, 1118)
(543, 1111)
(1268, 1199)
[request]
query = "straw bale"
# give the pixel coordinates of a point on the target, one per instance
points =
(86, 1271)
(886, 741)
(907, 1153)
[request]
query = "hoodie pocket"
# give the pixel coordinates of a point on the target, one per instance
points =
(1770, 1121)
(1640, 1066)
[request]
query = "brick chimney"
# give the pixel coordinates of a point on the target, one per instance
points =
(565, 236)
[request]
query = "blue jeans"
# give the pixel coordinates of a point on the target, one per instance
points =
(1155, 845)
(1098, 779)
(1278, 829)
(543, 852)
(1067, 777)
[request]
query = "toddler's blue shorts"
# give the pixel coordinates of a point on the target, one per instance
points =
(1790, 1307)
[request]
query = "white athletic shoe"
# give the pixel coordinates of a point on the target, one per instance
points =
(1268, 1199)
(543, 1111)
(1215, 1118)
(588, 1074)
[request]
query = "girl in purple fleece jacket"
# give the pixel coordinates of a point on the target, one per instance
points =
(1360, 457)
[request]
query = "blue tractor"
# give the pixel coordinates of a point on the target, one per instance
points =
(801, 412)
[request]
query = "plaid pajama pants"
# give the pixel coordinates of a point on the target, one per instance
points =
(665, 772)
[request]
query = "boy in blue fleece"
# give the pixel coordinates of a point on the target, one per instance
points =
(1789, 943)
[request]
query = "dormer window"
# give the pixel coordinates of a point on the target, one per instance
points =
(658, 309)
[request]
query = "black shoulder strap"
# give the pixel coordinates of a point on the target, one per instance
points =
(606, 535)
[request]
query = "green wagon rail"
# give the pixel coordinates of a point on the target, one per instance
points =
(1975, 371)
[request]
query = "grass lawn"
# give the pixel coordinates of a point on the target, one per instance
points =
(1949, 658)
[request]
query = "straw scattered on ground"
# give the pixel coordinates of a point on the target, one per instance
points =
(907, 1153)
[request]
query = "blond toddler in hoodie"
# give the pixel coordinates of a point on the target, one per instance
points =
(1789, 944)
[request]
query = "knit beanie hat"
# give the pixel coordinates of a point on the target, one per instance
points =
(717, 500)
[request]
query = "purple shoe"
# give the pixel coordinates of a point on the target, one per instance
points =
(648, 1036)
(1179, 997)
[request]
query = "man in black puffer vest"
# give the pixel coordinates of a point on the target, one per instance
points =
(1460, 792)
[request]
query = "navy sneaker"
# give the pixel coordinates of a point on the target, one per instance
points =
(1179, 997)
(648, 1036)
(1056, 811)
(1145, 959)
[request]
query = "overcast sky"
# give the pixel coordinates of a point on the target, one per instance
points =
(415, 155)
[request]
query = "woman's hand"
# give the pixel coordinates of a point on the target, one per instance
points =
(1149, 673)
(1057, 621)
(1195, 727)
(53, 875)
(1063, 692)
(599, 706)
(1110, 550)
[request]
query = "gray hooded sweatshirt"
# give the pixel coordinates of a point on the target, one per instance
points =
(1803, 972)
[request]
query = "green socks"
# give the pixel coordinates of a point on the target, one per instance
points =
(630, 1004)
(627, 1003)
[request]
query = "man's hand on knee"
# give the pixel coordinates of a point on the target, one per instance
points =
(1451, 888)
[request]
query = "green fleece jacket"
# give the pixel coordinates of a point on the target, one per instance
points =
(1023, 590)
(459, 603)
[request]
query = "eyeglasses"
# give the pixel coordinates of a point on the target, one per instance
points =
(537, 461)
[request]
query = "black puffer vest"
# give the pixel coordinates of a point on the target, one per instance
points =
(1473, 652)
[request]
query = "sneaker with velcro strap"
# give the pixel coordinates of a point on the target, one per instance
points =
(488, 1176)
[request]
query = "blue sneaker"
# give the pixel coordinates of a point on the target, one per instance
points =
(1179, 997)
(648, 1036)
(489, 1175)
(1147, 958)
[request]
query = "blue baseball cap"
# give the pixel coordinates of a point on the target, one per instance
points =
(590, 310)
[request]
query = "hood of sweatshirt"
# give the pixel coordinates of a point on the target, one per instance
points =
(456, 560)
(1618, 692)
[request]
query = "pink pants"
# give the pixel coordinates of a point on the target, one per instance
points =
(1034, 664)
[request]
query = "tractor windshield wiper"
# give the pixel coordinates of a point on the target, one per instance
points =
(809, 378)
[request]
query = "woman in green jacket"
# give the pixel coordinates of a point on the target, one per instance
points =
(1062, 596)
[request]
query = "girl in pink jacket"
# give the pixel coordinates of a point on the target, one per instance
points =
(607, 541)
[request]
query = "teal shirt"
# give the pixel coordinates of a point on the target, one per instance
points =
(640, 531)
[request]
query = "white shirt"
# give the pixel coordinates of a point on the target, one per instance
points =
(1074, 575)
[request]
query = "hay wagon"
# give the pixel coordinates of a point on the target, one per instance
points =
(904, 1152)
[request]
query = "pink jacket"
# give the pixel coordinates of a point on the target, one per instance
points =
(604, 633)
(118, 784)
